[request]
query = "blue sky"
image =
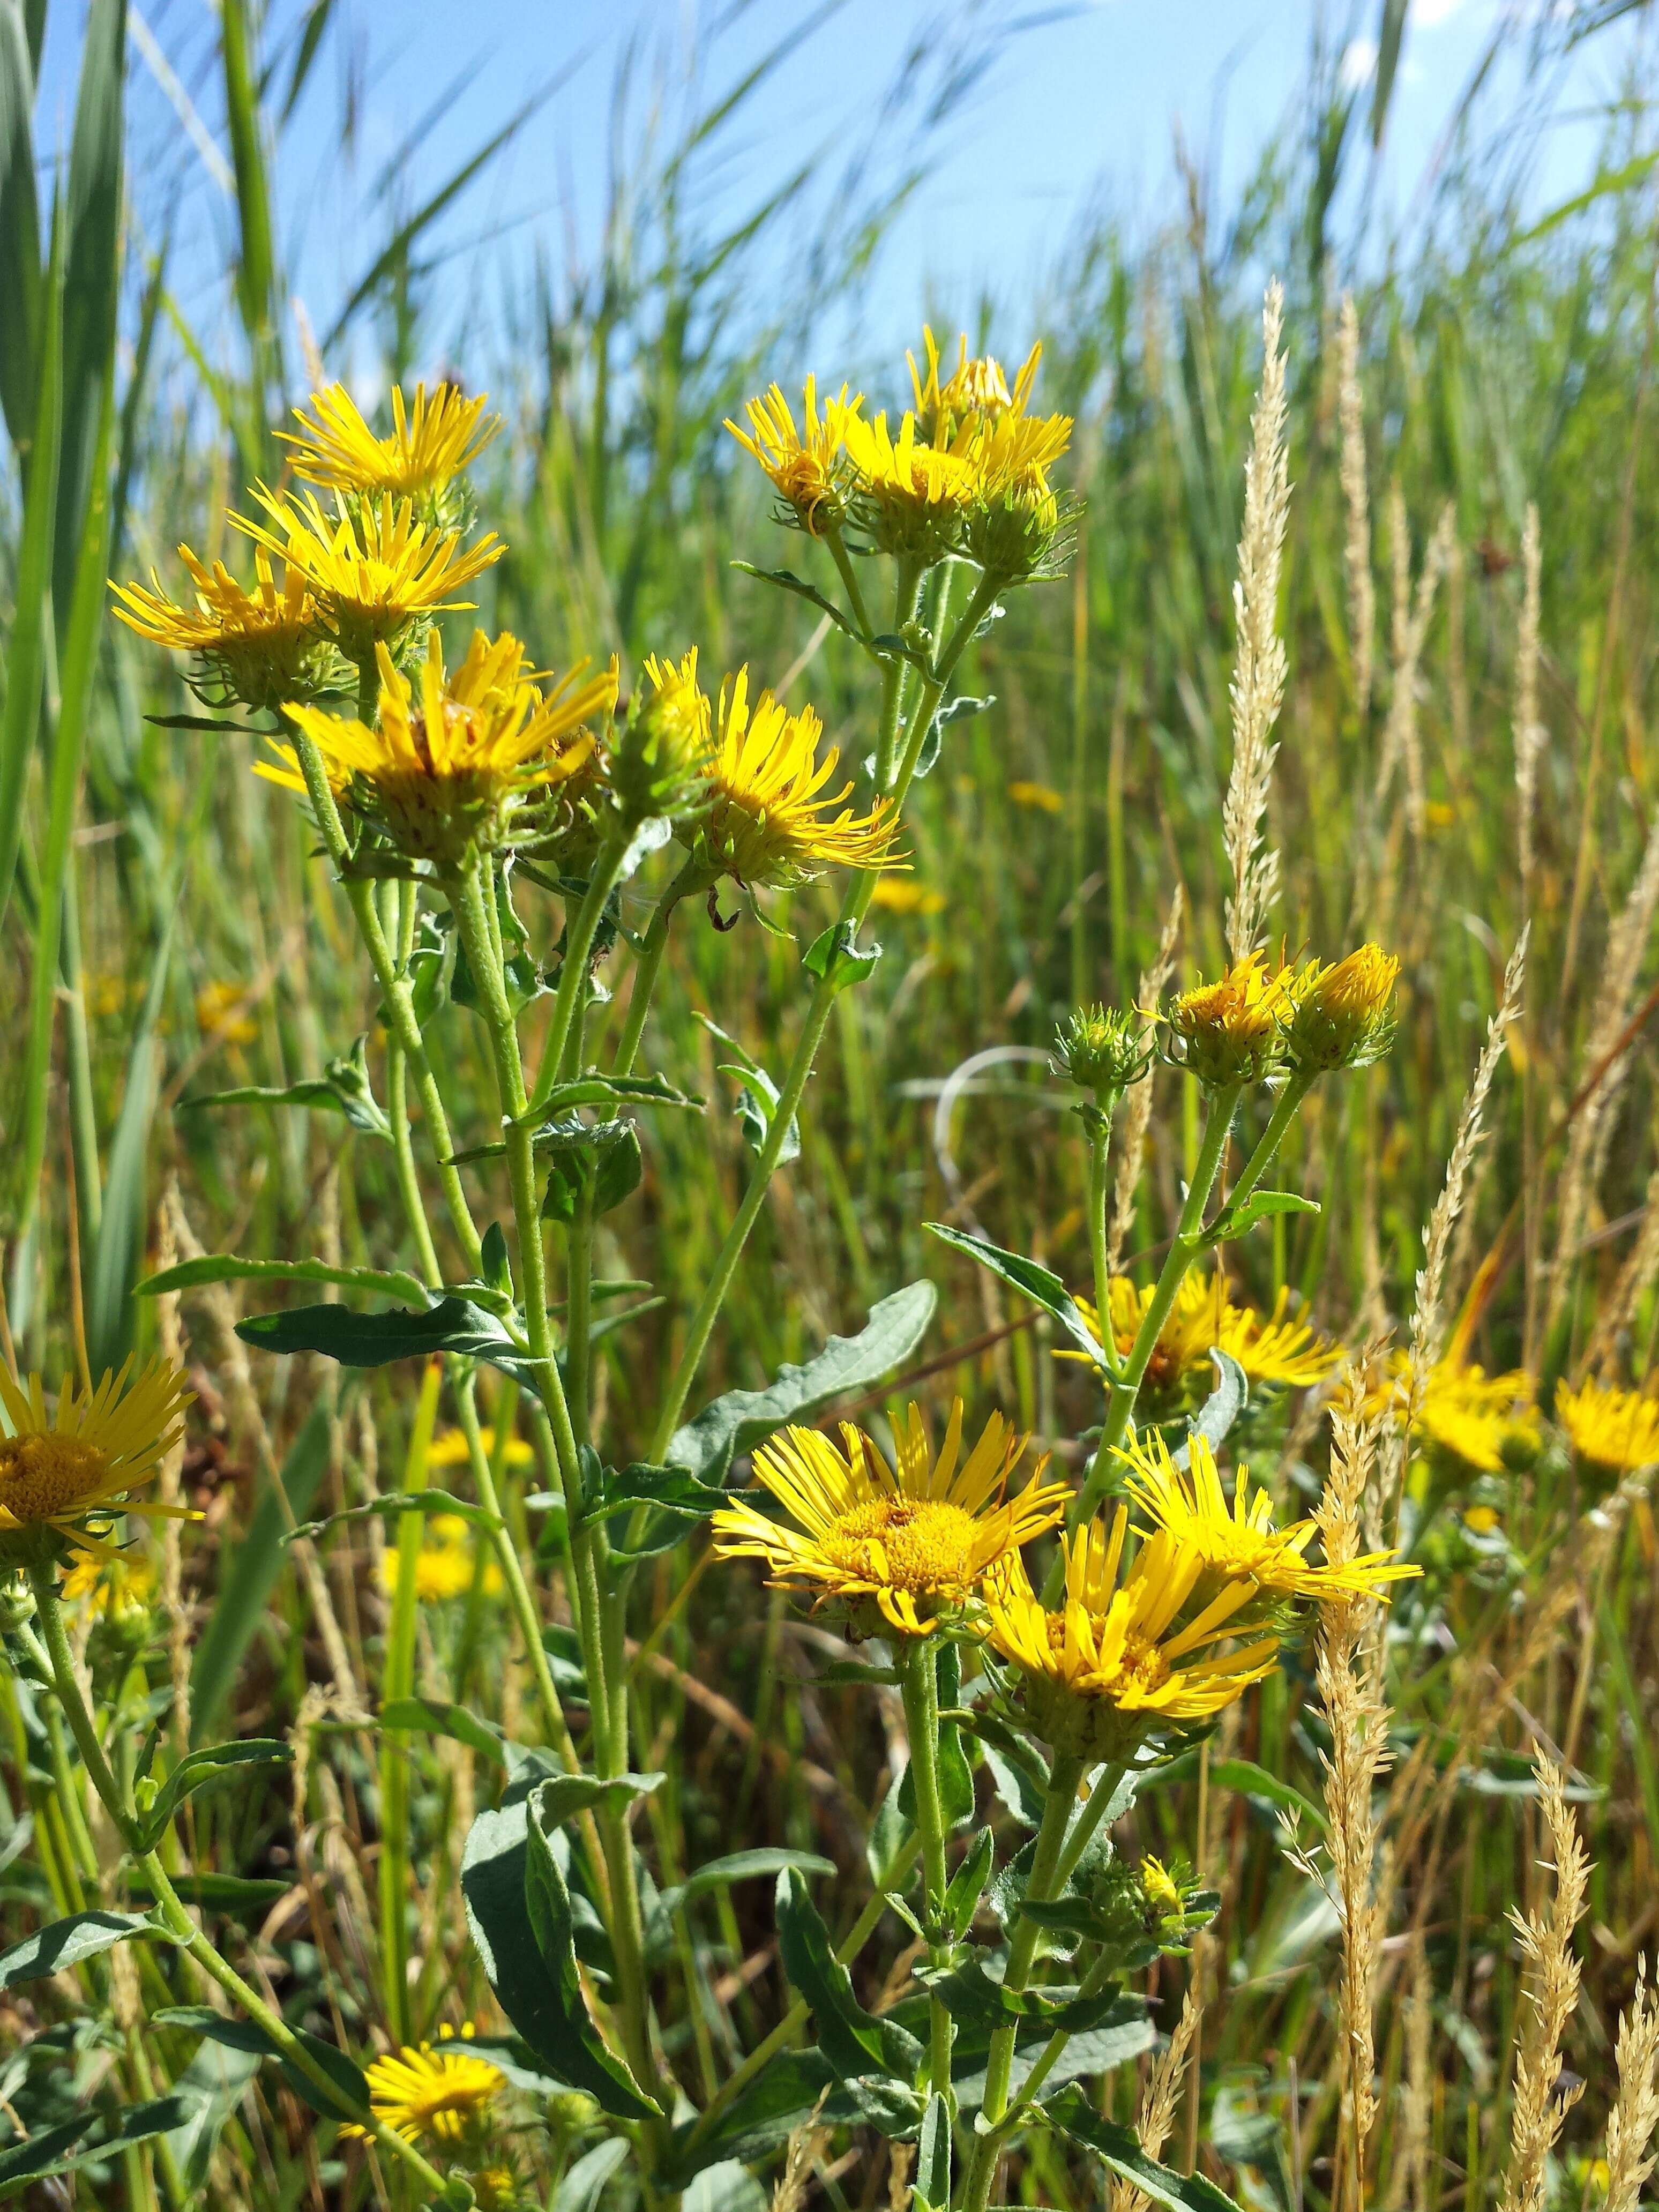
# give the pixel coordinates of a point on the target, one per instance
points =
(1083, 106)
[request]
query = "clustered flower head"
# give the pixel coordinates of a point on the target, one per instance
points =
(1273, 1349)
(66, 1473)
(1468, 1418)
(432, 444)
(1257, 1020)
(1102, 1052)
(1612, 1428)
(445, 2098)
(1341, 1016)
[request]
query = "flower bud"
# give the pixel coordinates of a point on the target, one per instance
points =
(1231, 1032)
(1341, 1016)
(658, 764)
(1018, 536)
(1101, 1051)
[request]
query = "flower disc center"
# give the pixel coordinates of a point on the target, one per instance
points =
(44, 1475)
(908, 1543)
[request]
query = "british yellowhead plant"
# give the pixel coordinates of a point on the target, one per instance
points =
(481, 817)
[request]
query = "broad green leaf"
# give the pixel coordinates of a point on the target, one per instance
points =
(1119, 2148)
(598, 1163)
(1261, 1206)
(216, 1893)
(245, 1586)
(238, 2034)
(1216, 1416)
(675, 1502)
(431, 1717)
(594, 1089)
(561, 1799)
(584, 2185)
(726, 2186)
(967, 1885)
(389, 1509)
(855, 2041)
(1038, 1284)
(835, 956)
(933, 2176)
(89, 2140)
(786, 580)
(211, 2087)
(64, 1943)
(454, 1325)
(738, 1421)
(201, 1770)
(1250, 1780)
(742, 1866)
(226, 1268)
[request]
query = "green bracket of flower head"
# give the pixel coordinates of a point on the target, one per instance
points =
(837, 957)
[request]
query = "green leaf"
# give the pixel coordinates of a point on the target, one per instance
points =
(1037, 1283)
(211, 2087)
(594, 1089)
(584, 2185)
(786, 580)
(855, 2042)
(967, 1885)
(1261, 1206)
(202, 1770)
(454, 1325)
(88, 2140)
(1250, 1780)
(20, 283)
(431, 1717)
(837, 957)
(742, 1866)
(31, 594)
(933, 2178)
(216, 1893)
(528, 1953)
(226, 1268)
(599, 1162)
(676, 1500)
(1122, 2036)
(561, 1799)
(245, 1586)
(1391, 32)
(238, 2034)
(726, 2186)
(736, 1422)
(1016, 1769)
(120, 1241)
(344, 1087)
(65, 1942)
(892, 1844)
(1216, 1416)
(389, 1509)
(1119, 2148)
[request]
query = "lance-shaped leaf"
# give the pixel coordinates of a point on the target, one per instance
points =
(202, 1770)
(227, 1267)
(1261, 1206)
(741, 1866)
(344, 1087)
(1220, 1409)
(92, 2138)
(567, 1795)
(670, 1500)
(350, 2086)
(1038, 1284)
(933, 2181)
(454, 1325)
(65, 1942)
(854, 2041)
(742, 1419)
(391, 1508)
(1119, 2148)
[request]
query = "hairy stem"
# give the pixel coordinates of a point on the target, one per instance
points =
(920, 1671)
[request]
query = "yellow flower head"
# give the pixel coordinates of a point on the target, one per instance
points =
(443, 2090)
(1488, 1422)
(1341, 1016)
(1159, 1888)
(1240, 1541)
(60, 1474)
(374, 575)
(1231, 1032)
(659, 764)
(451, 771)
(1118, 1660)
(116, 1587)
(447, 1564)
(431, 443)
(1617, 1429)
(917, 1543)
(975, 387)
(1274, 1351)
(912, 498)
(899, 895)
(802, 469)
(261, 647)
(449, 1449)
(1037, 798)
(769, 822)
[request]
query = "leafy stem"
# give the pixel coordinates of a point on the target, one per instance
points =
(579, 929)
(919, 1671)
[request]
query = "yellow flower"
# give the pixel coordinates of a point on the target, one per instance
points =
(902, 895)
(1242, 1543)
(1613, 1428)
(1342, 1015)
(802, 469)
(1108, 1666)
(1157, 1886)
(430, 444)
(261, 647)
(449, 1450)
(916, 1543)
(373, 575)
(446, 1564)
(769, 821)
(221, 1013)
(1274, 1351)
(1229, 1032)
(976, 386)
(55, 1473)
(1479, 1419)
(1480, 1520)
(452, 773)
(438, 2091)
(913, 496)
(658, 765)
(1040, 798)
(113, 1588)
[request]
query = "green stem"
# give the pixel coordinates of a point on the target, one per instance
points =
(1284, 1112)
(578, 1312)
(397, 1682)
(920, 1687)
(579, 934)
(179, 1923)
(1184, 1248)
(1081, 1833)
(1041, 1885)
(849, 574)
(1099, 1195)
(647, 965)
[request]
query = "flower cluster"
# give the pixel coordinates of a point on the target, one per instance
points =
(1273, 1349)
(1257, 1021)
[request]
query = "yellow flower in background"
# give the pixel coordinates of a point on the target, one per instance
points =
(976, 386)
(802, 468)
(448, 772)
(58, 1470)
(1274, 1351)
(916, 1542)
(1229, 1031)
(375, 575)
(1617, 1429)
(1482, 1419)
(447, 1563)
(1240, 1541)
(1117, 1659)
(431, 442)
(903, 895)
(769, 822)
(1040, 798)
(442, 2092)
(1341, 1016)
(114, 1587)
(448, 1449)
(262, 647)
(221, 1013)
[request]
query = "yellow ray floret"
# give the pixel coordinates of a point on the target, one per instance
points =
(374, 574)
(1614, 1428)
(257, 644)
(1230, 1031)
(909, 473)
(977, 385)
(431, 443)
(1239, 1540)
(1475, 1417)
(113, 1586)
(442, 2091)
(1120, 1646)
(86, 1459)
(802, 468)
(1274, 1351)
(915, 1542)
(443, 769)
(770, 821)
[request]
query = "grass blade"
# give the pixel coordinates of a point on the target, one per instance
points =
(20, 285)
(121, 1230)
